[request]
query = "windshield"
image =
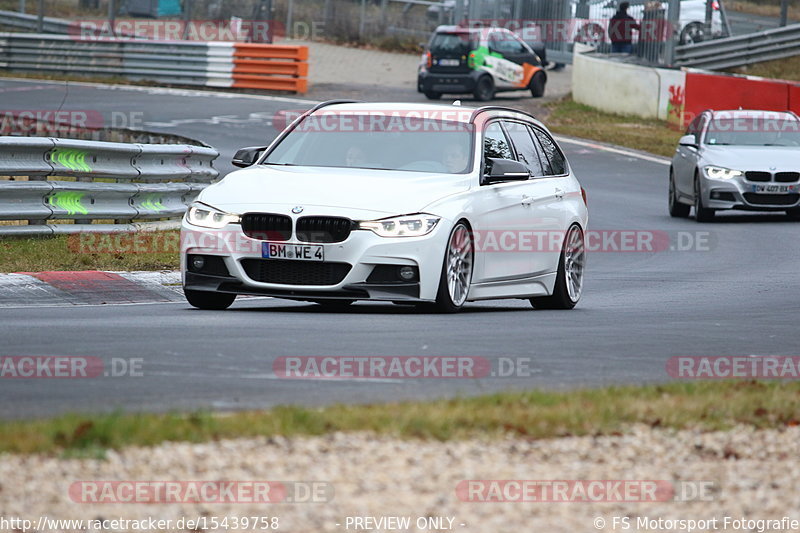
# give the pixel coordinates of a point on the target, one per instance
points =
(753, 132)
(377, 141)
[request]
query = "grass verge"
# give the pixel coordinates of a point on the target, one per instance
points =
(705, 406)
(143, 251)
(784, 69)
(766, 8)
(571, 118)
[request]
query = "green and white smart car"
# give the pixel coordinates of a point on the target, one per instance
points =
(481, 61)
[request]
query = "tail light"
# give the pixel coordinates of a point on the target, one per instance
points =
(715, 5)
(428, 59)
(583, 195)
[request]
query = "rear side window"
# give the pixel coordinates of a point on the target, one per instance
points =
(527, 152)
(553, 156)
(453, 43)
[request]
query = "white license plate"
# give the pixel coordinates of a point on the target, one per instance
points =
(774, 189)
(449, 62)
(300, 252)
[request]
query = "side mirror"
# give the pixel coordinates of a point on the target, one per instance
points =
(688, 140)
(245, 157)
(498, 169)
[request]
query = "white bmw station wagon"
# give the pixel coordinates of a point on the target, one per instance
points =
(429, 205)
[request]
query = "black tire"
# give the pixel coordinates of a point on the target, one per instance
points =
(444, 302)
(676, 209)
(561, 299)
(484, 89)
(793, 214)
(537, 84)
(693, 33)
(209, 300)
(334, 305)
(592, 34)
(701, 213)
(430, 95)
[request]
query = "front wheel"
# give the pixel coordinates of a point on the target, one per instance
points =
(701, 213)
(569, 279)
(793, 214)
(456, 274)
(430, 95)
(676, 209)
(537, 84)
(208, 299)
(484, 90)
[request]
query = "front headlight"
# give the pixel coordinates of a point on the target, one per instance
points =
(720, 173)
(404, 226)
(205, 216)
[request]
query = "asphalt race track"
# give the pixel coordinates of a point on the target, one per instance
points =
(733, 291)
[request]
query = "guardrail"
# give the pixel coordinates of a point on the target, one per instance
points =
(210, 64)
(731, 52)
(142, 181)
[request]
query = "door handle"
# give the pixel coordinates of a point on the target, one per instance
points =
(559, 193)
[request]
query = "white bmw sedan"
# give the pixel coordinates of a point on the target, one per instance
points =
(432, 205)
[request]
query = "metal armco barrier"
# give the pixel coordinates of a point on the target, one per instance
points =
(210, 64)
(742, 50)
(183, 171)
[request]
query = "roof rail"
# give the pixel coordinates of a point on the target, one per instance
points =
(332, 102)
(498, 108)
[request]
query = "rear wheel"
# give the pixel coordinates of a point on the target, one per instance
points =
(693, 33)
(537, 84)
(430, 95)
(456, 271)
(209, 299)
(701, 213)
(569, 279)
(592, 34)
(676, 209)
(484, 90)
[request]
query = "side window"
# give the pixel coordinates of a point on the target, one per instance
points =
(558, 165)
(495, 145)
(505, 43)
(527, 152)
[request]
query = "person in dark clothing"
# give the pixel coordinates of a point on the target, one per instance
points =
(620, 30)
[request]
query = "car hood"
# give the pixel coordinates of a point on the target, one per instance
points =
(352, 192)
(764, 158)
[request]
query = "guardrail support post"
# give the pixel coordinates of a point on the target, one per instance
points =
(784, 12)
(40, 19)
(674, 23)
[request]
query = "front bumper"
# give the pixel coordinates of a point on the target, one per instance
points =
(445, 83)
(739, 193)
(363, 251)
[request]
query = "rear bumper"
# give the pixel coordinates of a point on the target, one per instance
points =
(447, 83)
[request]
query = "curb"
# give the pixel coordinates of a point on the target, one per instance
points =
(88, 287)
